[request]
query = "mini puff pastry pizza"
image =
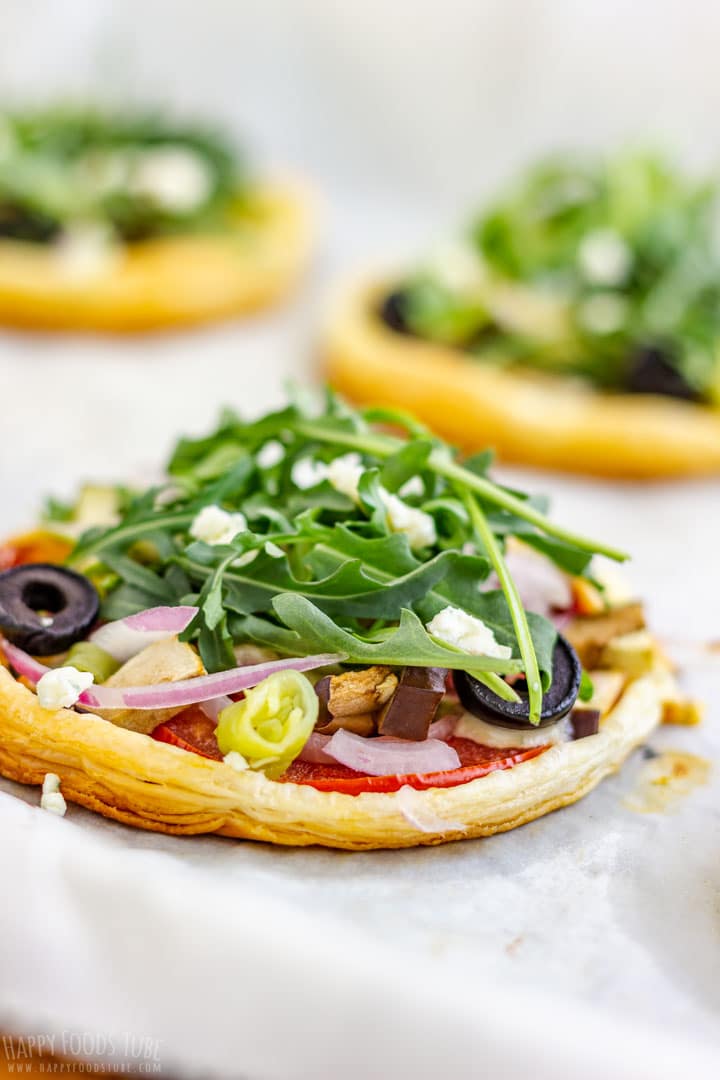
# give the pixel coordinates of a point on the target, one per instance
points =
(575, 325)
(324, 628)
(118, 222)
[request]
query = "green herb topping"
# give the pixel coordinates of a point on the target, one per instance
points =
(316, 529)
(132, 176)
(605, 270)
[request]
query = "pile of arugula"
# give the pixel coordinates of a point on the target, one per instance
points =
(624, 251)
(315, 571)
(66, 165)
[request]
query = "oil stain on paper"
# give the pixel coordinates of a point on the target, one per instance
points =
(665, 779)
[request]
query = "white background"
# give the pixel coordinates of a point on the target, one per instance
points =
(402, 116)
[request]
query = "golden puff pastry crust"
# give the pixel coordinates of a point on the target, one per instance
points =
(166, 281)
(134, 779)
(528, 416)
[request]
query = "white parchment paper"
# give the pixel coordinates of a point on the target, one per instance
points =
(586, 943)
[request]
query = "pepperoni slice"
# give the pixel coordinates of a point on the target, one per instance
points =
(475, 761)
(193, 730)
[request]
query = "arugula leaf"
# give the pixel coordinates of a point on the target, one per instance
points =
(408, 462)
(408, 644)
(141, 577)
(347, 591)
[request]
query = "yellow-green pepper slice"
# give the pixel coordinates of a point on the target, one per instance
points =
(271, 724)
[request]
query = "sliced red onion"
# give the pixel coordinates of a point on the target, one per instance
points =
(23, 663)
(215, 706)
(125, 638)
(203, 688)
(391, 757)
(169, 695)
(314, 750)
(542, 585)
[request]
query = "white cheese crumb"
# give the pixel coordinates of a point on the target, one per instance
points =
(270, 454)
(307, 473)
(418, 526)
(344, 474)
(604, 257)
(236, 761)
(61, 687)
(171, 176)
(214, 525)
(51, 798)
(466, 632)
(479, 731)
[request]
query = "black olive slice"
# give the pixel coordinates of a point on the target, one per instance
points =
(652, 371)
(557, 702)
(45, 609)
(32, 226)
(393, 312)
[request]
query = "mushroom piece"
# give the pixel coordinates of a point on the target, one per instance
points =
(357, 692)
(168, 660)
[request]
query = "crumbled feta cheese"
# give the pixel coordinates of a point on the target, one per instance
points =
(413, 486)
(214, 525)
(175, 178)
(344, 474)
(603, 313)
(418, 526)
(51, 798)
(51, 783)
(60, 687)
(604, 257)
(270, 454)
(307, 473)
(466, 632)
(236, 761)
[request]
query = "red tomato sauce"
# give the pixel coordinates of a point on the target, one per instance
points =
(193, 730)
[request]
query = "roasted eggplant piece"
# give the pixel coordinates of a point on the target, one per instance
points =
(412, 708)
